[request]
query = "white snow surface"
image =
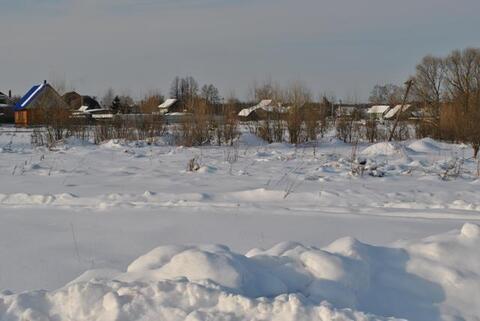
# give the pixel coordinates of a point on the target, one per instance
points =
(86, 213)
(382, 149)
(436, 278)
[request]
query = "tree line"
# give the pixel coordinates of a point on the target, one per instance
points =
(446, 88)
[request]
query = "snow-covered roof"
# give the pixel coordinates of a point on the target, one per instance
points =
(264, 104)
(246, 112)
(393, 112)
(168, 103)
(29, 96)
(378, 109)
(84, 110)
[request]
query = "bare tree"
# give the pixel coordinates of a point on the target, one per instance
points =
(59, 82)
(428, 89)
(151, 102)
(463, 77)
(185, 90)
(108, 97)
(210, 95)
(462, 109)
(267, 90)
(428, 82)
(386, 94)
(175, 88)
(298, 95)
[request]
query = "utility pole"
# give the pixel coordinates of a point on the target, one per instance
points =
(409, 84)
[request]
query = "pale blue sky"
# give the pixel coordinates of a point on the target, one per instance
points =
(342, 46)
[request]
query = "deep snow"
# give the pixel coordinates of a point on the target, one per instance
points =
(433, 279)
(85, 207)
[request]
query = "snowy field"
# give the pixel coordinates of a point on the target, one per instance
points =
(124, 232)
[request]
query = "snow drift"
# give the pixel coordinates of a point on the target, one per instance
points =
(381, 149)
(426, 145)
(437, 278)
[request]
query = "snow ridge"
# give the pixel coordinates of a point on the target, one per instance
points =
(432, 279)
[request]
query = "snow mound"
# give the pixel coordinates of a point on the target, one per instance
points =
(381, 149)
(433, 279)
(113, 144)
(471, 231)
(24, 198)
(425, 145)
(177, 300)
(216, 263)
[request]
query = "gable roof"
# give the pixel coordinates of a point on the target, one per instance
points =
(168, 103)
(393, 112)
(71, 93)
(264, 104)
(4, 100)
(90, 102)
(29, 96)
(378, 109)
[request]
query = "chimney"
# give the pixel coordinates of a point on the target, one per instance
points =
(9, 94)
(44, 82)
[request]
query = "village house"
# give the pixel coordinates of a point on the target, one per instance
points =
(4, 99)
(73, 99)
(39, 104)
(86, 107)
(79, 102)
(405, 112)
(170, 105)
(262, 110)
(378, 111)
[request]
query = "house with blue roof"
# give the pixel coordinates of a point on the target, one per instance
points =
(41, 103)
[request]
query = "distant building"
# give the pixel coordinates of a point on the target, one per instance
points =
(73, 99)
(4, 99)
(406, 112)
(77, 101)
(262, 110)
(170, 105)
(40, 103)
(378, 111)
